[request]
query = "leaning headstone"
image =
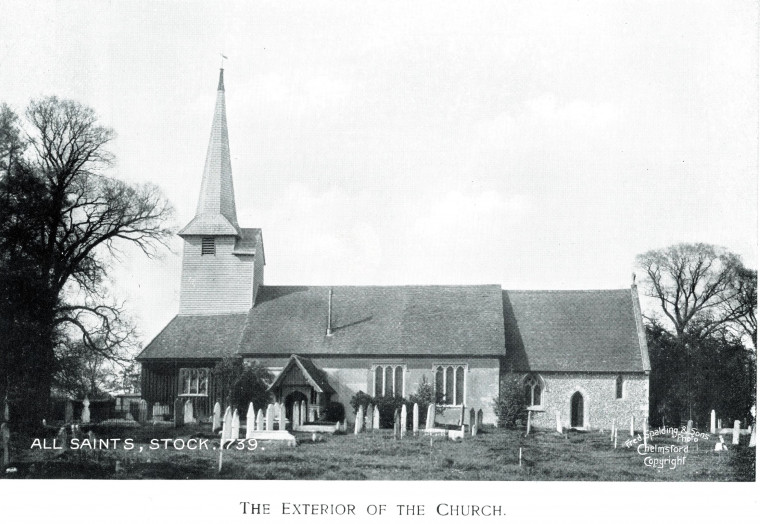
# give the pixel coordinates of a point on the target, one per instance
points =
(270, 417)
(235, 433)
(296, 415)
(712, 422)
(370, 417)
(260, 420)
(376, 418)
(473, 422)
(430, 421)
(216, 420)
(416, 418)
(737, 429)
(304, 413)
(227, 425)
(69, 415)
(86, 410)
(559, 422)
(5, 436)
(179, 416)
(188, 411)
(404, 419)
(250, 421)
(283, 418)
(142, 414)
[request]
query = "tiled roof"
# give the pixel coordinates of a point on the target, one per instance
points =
(196, 336)
(573, 331)
(376, 320)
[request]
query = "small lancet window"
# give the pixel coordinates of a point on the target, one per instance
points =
(208, 246)
(619, 386)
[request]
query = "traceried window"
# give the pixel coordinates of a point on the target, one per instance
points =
(208, 246)
(619, 386)
(449, 384)
(533, 390)
(193, 381)
(389, 381)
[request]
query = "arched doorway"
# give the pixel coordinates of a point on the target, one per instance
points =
(295, 396)
(576, 410)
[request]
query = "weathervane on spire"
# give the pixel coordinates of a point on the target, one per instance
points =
(223, 59)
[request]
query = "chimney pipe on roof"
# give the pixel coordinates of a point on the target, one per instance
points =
(329, 313)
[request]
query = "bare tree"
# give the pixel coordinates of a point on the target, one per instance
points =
(63, 223)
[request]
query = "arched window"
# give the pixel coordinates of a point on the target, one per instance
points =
(450, 385)
(619, 386)
(533, 390)
(389, 381)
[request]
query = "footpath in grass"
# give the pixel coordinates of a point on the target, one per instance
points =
(492, 455)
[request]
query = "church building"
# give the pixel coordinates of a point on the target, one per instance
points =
(581, 354)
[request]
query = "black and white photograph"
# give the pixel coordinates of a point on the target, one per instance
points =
(358, 252)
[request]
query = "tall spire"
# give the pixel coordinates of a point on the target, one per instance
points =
(215, 214)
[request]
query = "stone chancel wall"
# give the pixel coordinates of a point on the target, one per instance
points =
(600, 404)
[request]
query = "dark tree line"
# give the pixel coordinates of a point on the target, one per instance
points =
(62, 220)
(702, 333)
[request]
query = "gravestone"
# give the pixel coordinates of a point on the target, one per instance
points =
(216, 420)
(283, 418)
(752, 437)
(430, 421)
(370, 417)
(712, 422)
(142, 414)
(644, 430)
(86, 410)
(235, 433)
(69, 415)
(404, 420)
(296, 415)
(359, 423)
(179, 418)
(559, 422)
(188, 412)
(737, 429)
(227, 425)
(397, 424)
(270, 417)
(416, 418)
(376, 418)
(480, 419)
(473, 422)
(260, 420)
(631, 433)
(721, 445)
(689, 427)
(250, 421)
(612, 430)
(720, 423)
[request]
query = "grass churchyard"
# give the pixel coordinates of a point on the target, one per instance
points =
(495, 454)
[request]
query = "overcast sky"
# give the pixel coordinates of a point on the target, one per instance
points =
(530, 144)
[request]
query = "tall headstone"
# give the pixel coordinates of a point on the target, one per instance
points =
(260, 420)
(283, 418)
(188, 412)
(612, 430)
(227, 425)
(559, 422)
(644, 430)
(376, 418)
(527, 426)
(720, 423)
(480, 419)
(142, 414)
(631, 432)
(404, 420)
(473, 422)
(737, 429)
(370, 417)
(416, 418)
(216, 420)
(235, 433)
(250, 421)
(270, 417)
(304, 413)
(689, 427)
(296, 415)
(430, 421)
(86, 410)
(359, 424)
(712, 422)
(179, 413)
(69, 414)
